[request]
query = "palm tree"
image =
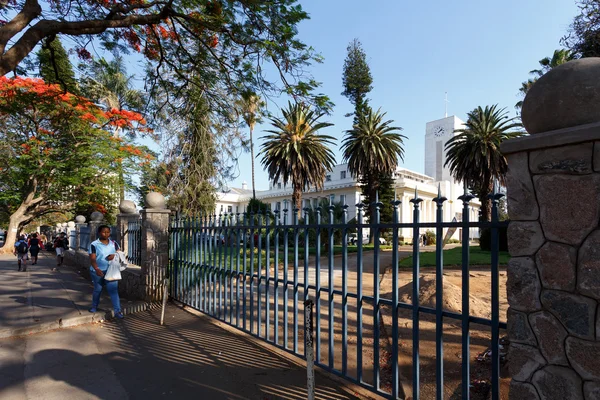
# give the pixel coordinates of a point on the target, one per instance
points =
(109, 84)
(474, 154)
(372, 149)
(296, 152)
(250, 105)
(559, 57)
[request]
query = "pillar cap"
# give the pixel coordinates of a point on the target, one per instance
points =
(155, 200)
(565, 97)
(127, 207)
(96, 216)
(80, 219)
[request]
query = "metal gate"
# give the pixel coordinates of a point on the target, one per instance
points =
(254, 271)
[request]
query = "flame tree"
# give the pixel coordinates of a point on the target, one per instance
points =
(226, 45)
(57, 151)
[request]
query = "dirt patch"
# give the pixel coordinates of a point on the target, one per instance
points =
(452, 297)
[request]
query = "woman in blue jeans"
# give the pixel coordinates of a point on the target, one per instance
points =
(102, 250)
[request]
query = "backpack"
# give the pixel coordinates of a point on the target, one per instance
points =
(22, 247)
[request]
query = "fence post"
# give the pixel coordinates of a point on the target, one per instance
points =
(79, 222)
(127, 213)
(96, 219)
(309, 349)
(553, 288)
(155, 244)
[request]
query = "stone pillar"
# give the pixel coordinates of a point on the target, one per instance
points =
(79, 223)
(96, 219)
(553, 191)
(155, 244)
(127, 213)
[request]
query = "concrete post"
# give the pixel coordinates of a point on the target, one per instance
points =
(553, 192)
(96, 219)
(78, 237)
(155, 245)
(127, 213)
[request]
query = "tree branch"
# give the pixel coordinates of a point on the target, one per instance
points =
(43, 28)
(31, 10)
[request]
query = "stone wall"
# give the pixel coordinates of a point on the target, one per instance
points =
(144, 282)
(132, 286)
(553, 190)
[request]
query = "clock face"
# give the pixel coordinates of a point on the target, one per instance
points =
(439, 131)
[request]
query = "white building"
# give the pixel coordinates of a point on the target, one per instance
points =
(341, 186)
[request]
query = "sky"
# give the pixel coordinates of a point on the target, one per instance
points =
(478, 51)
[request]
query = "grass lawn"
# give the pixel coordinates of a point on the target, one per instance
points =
(454, 257)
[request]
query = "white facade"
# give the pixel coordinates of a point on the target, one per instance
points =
(339, 185)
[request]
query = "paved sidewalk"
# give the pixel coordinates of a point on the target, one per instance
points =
(39, 299)
(190, 357)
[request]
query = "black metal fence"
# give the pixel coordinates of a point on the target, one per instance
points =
(84, 238)
(254, 271)
(133, 236)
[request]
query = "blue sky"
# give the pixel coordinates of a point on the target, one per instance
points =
(477, 51)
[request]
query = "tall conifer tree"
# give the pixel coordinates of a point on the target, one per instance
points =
(357, 78)
(55, 66)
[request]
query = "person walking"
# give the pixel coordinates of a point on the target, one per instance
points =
(21, 253)
(34, 248)
(102, 251)
(61, 245)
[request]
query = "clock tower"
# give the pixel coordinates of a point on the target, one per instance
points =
(437, 134)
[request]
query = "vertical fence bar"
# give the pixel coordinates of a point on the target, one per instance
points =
(206, 259)
(252, 239)
(331, 286)
(259, 274)
(267, 275)
(439, 296)
(230, 246)
(306, 258)
(466, 342)
(220, 268)
(214, 265)
(318, 281)
(359, 293)
(277, 223)
(245, 266)
(199, 257)
(495, 296)
(309, 350)
(285, 280)
(345, 290)
(237, 270)
(415, 297)
(395, 372)
(296, 281)
(376, 314)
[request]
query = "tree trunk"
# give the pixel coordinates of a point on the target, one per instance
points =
(297, 199)
(252, 158)
(14, 225)
(486, 204)
(372, 196)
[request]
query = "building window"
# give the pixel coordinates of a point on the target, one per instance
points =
(278, 206)
(306, 203)
(279, 186)
(343, 198)
(229, 209)
(331, 198)
(221, 207)
(237, 209)
(343, 175)
(328, 178)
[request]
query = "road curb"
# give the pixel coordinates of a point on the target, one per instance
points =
(68, 322)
